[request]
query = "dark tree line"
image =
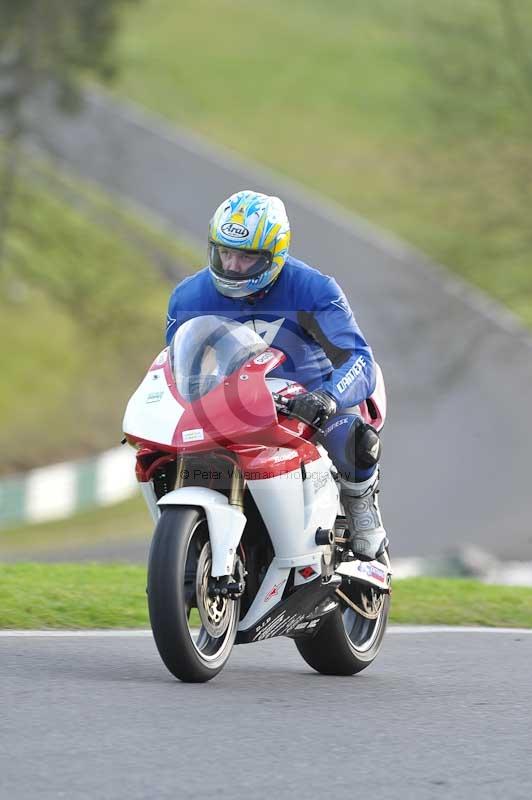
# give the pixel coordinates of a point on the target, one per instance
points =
(51, 44)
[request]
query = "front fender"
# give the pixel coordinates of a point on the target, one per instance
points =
(226, 523)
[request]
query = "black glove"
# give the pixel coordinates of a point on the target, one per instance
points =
(313, 407)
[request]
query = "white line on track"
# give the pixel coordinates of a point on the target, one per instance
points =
(51, 634)
(135, 633)
(414, 629)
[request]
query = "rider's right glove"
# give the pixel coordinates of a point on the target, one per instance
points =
(313, 407)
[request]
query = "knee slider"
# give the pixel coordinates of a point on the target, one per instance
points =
(363, 446)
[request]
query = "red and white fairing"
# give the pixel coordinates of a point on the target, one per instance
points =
(288, 476)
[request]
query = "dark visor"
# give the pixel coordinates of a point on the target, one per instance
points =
(255, 261)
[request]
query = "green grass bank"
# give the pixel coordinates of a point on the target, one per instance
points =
(415, 115)
(34, 596)
(120, 523)
(83, 296)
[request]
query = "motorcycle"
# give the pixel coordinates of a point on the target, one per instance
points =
(250, 541)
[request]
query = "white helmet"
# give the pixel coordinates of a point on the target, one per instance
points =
(257, 227)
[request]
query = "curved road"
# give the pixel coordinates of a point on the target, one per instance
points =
(438, 715)
(458, 368)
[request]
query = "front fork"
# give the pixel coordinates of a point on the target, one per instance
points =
(227, 585)
(236, 489)
(230, 586)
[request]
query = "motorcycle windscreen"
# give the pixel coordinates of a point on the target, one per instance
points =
(206, 350)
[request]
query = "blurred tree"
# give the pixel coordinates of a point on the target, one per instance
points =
(47, 44)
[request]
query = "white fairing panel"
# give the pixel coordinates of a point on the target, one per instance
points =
(150, 498)
(272, 587)
(153, 412)
(269, 594)
(293, 509)
(226, 523)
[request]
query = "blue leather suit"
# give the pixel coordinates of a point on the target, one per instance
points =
(306, 315)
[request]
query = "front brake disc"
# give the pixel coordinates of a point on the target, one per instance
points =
(215, 612)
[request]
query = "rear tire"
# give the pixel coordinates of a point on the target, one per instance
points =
(346, 642)
(178, 571)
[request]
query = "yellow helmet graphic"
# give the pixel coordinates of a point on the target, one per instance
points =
(249, 236)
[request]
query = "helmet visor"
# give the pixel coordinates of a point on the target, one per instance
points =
(238, 264)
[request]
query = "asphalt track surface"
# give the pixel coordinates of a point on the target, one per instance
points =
(438, 715)
(458, 367)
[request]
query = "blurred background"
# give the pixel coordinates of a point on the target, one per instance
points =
(125, 122)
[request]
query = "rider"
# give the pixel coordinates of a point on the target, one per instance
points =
(295, 308)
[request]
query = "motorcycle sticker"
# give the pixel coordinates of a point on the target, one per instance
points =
(264, 358)
(275, 590)
(154, 397)
(194, 435)
(307, 572)
(372, 571)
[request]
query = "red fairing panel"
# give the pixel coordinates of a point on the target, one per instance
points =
(373, 410)
(260, 463)
(239, 415)
(240, 409)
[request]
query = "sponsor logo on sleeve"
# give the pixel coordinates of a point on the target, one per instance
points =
(341, 303)
(351, 376)
(170, 321)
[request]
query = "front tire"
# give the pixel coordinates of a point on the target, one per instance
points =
(346, 642)
(178, 573)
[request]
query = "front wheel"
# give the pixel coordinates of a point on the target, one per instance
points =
(178, 574)
(348, 640)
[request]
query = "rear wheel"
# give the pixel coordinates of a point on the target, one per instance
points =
(178, 575)
(348, 640)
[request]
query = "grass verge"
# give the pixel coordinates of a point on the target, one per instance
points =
(34, 596)
(460, 601)
(124, 522)
(412, 114)
(83, 293)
